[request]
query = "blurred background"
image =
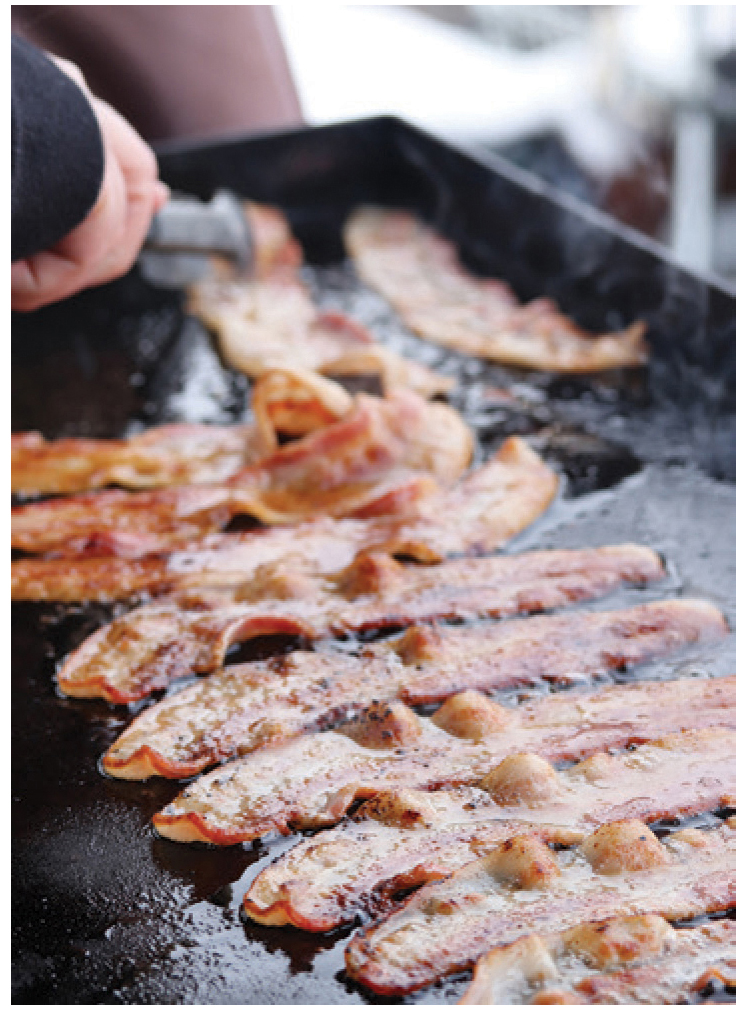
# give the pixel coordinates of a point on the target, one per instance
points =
(629, 107)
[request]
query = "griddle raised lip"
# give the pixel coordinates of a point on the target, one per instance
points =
(476, 153)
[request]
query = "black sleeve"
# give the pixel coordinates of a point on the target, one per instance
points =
(57, 156)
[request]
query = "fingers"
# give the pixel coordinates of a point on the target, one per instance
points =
(44, 278)
(134, 195)
(72, 71)
(78, 260)
(105, 245)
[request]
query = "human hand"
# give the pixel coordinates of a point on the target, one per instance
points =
(106, 243)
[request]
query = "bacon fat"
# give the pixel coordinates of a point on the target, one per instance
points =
(350, 465)
(484, 510)
(311, 781)
(176, 636)
(523, 887)
(638, 959)
(406, 837)
(241, 708)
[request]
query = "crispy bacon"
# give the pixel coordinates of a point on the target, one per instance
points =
(522, 887)
(480, 514)
(190, 633)
(242, 708)
(639, 959)
(350, 465)
(311, 782)
(403, 838)
(269, 320)
(419, 273)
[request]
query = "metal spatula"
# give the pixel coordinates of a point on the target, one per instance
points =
(187, 233)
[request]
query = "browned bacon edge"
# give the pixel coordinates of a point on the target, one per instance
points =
(352, 464)
(284, 403)
(403, 838)
(637, 959)
(242, 708)
(522, 887)
(223, 559)
(479, 515)
(152, 645)
(312, 780)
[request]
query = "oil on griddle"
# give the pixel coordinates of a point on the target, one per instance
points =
(104, 911)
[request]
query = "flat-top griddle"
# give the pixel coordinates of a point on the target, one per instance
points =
(103, 910)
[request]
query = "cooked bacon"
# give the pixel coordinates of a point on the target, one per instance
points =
(242, 708)
(348, 466)
(480, 514)
(269, 320)
(419, 273)
(311, 781)
(399, 840)
(289, 402)
(522, 887)
(639, 959)
(294, 402)
(403, 838)
(172, 454)
(120, 522)
(351, 466)
(190, 633)
(227, 559)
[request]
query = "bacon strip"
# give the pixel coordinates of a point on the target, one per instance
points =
(171, 454)
(311, 781)
(289, 403)
(406, 837)
(269, 320)
(480, 514)
(154, 644)
(351, 465)
(242, 708)
(419, 273)
(276, 252)
(294, 402)
(228, 559)
(522, 887)
(640, 959)
(483, 512)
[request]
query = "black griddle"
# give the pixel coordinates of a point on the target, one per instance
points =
(103, 910)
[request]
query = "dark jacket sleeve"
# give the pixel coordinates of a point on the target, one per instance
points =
(57, 157)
